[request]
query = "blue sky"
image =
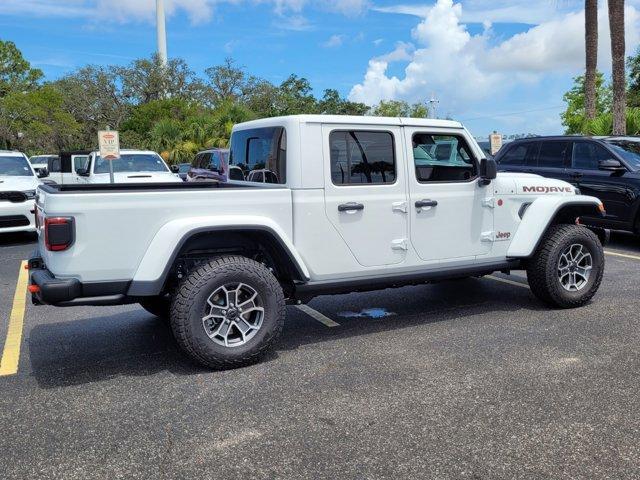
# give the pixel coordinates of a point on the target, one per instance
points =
(494, 64)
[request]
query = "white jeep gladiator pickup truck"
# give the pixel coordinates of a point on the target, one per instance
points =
(360, 203)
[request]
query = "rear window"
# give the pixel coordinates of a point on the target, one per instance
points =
(263, 150)
(362, 157)
(518, 155)
(553, 154)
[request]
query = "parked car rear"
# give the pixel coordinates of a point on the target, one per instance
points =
(607, 168)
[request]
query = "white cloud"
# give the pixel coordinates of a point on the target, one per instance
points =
(334, 41)
(464, 69)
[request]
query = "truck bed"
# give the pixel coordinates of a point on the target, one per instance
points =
(115, 224)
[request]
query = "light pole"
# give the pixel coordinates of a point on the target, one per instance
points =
(161, 32)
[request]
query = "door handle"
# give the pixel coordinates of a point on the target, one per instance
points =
(426, 203)
(350, 207)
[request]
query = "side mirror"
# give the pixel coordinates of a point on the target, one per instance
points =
(175, 168)
(611, 165)
(488, 170)
(83, 172)
(43, 173)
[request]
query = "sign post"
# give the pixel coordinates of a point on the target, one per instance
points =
(109, 142)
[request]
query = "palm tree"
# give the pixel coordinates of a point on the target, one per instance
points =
(616, 25)
(591, 50)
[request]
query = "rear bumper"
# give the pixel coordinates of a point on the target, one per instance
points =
(69, 292)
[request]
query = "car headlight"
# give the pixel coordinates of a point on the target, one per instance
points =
(31, 194)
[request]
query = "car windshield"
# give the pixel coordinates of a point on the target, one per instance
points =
(630, 151)
(14, 166)
(132, 162)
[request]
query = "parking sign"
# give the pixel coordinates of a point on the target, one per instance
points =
(109, 142)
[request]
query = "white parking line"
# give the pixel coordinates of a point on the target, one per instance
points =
(624, 255)
(510, 282)
(317, 316)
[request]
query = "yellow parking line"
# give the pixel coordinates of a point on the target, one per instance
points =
(510, 282)
(316, 315)
(11, 352)
(624, 255)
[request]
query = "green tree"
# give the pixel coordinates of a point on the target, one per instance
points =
(143, 117)
(294, 97)
(93, 96)
(400, 108)
(633, 69)
(333, 104)
(16, 74)
(227, 82)
(36, 121)
(146, 80)
(574, 117)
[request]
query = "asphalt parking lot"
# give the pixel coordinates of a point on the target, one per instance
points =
(469, 379)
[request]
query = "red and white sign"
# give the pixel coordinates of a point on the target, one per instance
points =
(109, 142)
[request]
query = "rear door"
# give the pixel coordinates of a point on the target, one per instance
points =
(365, 191)
(554, 159)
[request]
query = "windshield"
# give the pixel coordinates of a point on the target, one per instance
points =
(14, 166)
(132, 162)
(630, 151)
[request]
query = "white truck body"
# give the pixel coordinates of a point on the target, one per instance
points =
(391, 236)
(17, 211)
(359, 207)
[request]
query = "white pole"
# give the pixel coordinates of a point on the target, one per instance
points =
(161, 31)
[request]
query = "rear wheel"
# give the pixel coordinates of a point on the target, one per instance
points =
(566, 270)
(228, 312)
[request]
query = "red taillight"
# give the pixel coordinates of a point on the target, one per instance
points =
(58, 233)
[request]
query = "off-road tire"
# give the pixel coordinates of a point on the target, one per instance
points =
(190, 302)
(542, 268)
(158, 306)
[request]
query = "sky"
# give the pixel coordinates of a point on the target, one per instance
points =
(495, 65)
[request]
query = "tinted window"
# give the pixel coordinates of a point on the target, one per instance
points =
(15, 166)
(587, 155)
(518, 155)
(261, 149)
(362, 157)
(553, 154)
(442, 158)
(132, 163)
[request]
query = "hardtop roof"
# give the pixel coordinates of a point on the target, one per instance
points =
(348, 119)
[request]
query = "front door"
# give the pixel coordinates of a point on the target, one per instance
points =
(450, 211)
(608, 186)
(365, 191)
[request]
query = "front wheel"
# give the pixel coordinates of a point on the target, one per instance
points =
(228, 312)
(566, 270)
